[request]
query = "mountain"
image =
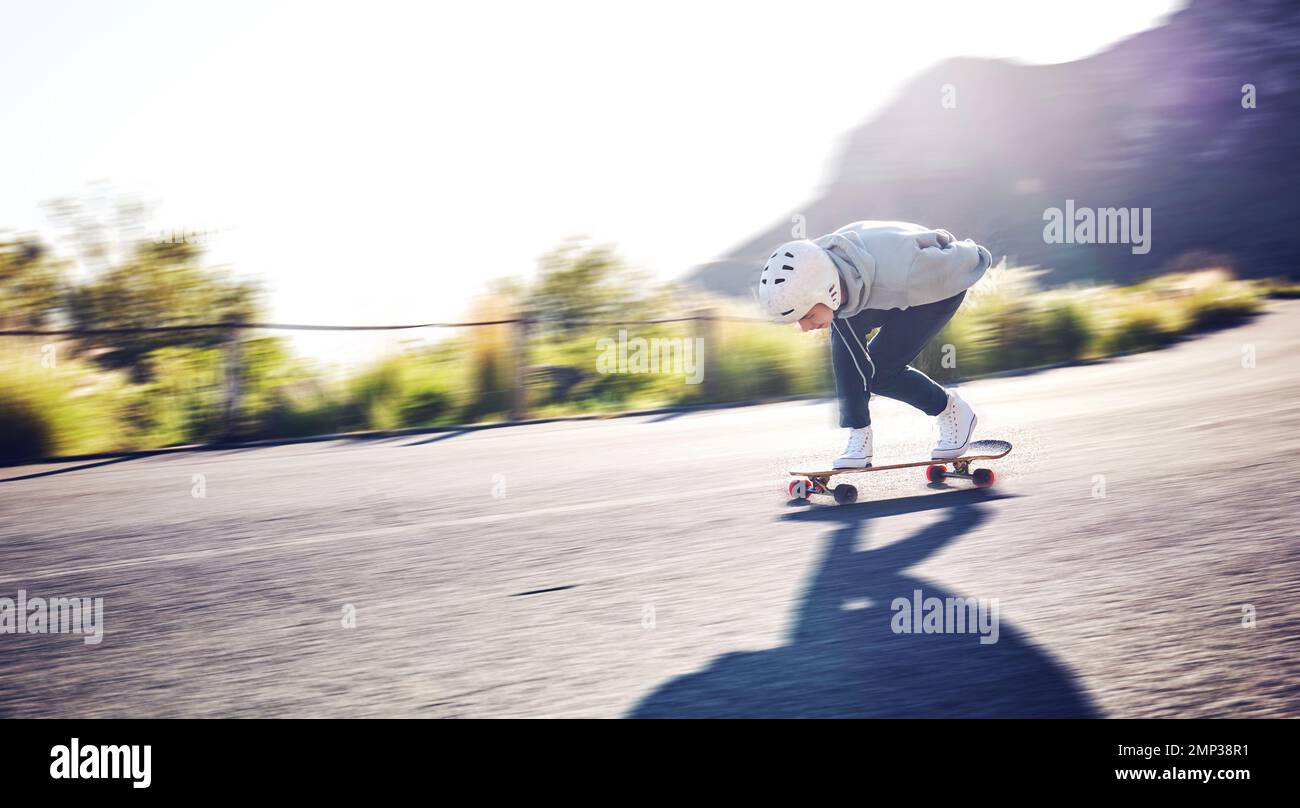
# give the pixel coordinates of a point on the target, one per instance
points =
(1156, 121)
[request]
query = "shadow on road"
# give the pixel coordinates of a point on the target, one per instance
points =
(440, 436)
(68, 469)
(842, 658)
(667, 416)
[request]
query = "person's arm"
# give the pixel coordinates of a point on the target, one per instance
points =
(944, 266)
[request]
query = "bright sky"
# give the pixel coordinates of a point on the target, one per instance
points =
(380, 161)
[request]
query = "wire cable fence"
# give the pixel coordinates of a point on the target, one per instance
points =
(235, 325)
(523, 328)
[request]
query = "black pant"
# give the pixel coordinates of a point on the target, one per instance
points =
(882, 365)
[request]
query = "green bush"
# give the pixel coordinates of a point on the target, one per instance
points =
(1140, 325)
(762, 361)
(1066, 330)
(298, 410)
(399, 391)
(65, 409)
(1223, 306)
(1280, 289)
(183, 400)
(26, 432)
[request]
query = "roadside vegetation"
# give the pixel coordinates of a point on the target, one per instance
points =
(66, 395)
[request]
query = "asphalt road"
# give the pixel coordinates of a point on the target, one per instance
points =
(652, 565)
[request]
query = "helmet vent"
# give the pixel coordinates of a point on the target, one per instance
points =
(779, 280)
(788, 268)
(788, 255)
(787, 311)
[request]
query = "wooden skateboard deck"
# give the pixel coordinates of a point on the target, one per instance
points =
(815, 482)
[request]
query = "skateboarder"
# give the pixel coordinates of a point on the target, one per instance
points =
(905, 279)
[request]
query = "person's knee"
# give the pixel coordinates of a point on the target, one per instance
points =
(886, 378)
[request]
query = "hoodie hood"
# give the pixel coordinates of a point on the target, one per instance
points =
(857, 271)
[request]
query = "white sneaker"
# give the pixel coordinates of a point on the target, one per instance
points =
(857, 455)
(956, 425)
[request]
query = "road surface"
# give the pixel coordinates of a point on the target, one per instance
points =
(652, 565)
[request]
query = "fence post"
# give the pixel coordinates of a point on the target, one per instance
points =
(705, 323)
(234, 334)
(519, 399)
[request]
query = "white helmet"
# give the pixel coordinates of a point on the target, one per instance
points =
(798, 276)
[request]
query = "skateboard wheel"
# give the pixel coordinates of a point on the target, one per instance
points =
(798, 489)
(982, 478)
(845, 493)
(935, 474)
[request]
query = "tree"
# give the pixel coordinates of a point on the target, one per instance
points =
(157, 285)
(581, 282)
(134, 281)
(30, 283)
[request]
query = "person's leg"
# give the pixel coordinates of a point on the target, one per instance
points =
(853, 367)
(901, 338)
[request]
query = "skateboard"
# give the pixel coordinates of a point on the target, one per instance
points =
(818, 482)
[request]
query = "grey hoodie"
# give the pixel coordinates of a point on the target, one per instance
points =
(894, 265)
